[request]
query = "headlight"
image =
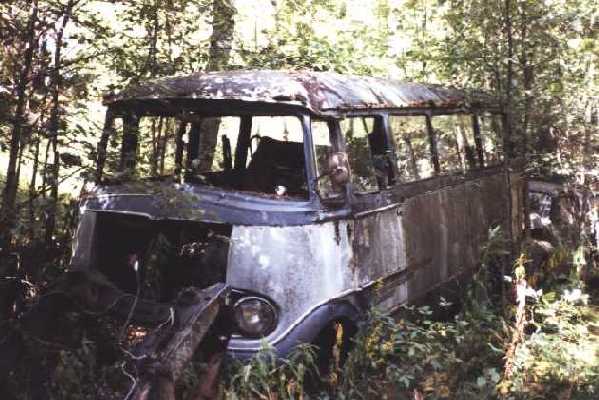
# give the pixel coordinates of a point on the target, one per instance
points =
(255, 317)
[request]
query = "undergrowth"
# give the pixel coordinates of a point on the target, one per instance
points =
(560, 357)
(269, 377)
(390, 360)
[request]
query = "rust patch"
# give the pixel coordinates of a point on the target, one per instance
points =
(320, 92)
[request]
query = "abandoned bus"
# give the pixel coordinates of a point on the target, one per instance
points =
(313, 196)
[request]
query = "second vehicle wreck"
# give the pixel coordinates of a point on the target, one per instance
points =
(313, 196)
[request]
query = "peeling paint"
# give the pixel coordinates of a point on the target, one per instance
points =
(323, 93)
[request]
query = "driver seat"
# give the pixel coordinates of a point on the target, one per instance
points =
(276, 163)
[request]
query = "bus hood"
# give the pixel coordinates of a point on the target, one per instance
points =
(181, 201)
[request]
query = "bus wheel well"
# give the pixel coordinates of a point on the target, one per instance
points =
(334, 342)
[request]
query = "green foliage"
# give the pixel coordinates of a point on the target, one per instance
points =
(561, 355)
(318, 35)
(150, 39)
(460, 358)
(554, 56)
(443, 359)
(80, 375)
(269, 377)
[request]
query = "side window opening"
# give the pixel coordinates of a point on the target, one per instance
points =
(412, 147)
(210, 145)
(368, 153)
(322, 137)
(157, 137)
(455, 142)
(112, 156)
(491, 132)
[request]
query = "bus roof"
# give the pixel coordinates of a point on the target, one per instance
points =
(322, 93)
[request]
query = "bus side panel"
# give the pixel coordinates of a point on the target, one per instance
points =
(489, 205)
(378, 244)
(433, 224)
(379, 257)
(445, 229)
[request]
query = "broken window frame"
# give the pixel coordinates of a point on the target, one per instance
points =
(331, 197)
(461, 152)
(500, 119)
(382, 119)
(430, 113)
(395, 146)
(432, 139)
(338, 139)
(186, 118)
(475, 113)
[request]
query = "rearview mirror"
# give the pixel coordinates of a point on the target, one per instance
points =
(338, 169)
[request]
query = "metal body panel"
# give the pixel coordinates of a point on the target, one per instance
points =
(383, 254)
(383, 257)
(83, 241)
(168, 200)
(322, 93)
(378, 245)
(298, 268)
(303, 268)
(444, 229)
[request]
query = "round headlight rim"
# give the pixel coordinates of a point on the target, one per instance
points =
(263, 300)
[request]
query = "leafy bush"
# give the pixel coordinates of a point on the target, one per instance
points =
(269, 377)
(561, 356)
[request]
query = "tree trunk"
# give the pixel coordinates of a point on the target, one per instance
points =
(166, 128)
(50, 224)
(592, 122)
(223, 26)
(527, 79)
(424, 28)
(19, 164)
(45, 170)
(179, 148)
(32, 193)
(154, 155)
(151, 64)
(107, 131)
(7, 212)
(412, 157)
(508, 128)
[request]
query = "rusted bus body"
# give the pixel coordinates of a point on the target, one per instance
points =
(318, 240)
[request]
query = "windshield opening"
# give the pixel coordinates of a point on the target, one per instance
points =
(260, 154)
